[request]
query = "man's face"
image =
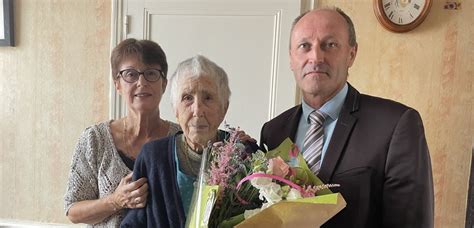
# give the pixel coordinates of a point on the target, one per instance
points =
(320, 54)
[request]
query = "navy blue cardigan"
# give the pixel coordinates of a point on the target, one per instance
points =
(164, 208)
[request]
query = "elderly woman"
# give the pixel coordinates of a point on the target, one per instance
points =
(100, 183)
(200, 97)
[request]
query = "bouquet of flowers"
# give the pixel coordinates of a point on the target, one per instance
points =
(223, 165)
(242, 189)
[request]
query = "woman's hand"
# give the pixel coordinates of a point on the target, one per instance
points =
(131, 194)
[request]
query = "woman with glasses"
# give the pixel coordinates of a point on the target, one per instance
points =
(100, 183)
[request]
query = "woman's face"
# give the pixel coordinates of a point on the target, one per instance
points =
(141, 96)
(199, 109)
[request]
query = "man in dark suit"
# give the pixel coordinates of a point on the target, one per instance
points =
(374, 148)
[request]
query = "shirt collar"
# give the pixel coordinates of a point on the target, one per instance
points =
(331, 108)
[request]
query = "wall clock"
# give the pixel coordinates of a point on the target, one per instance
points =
(401, 15)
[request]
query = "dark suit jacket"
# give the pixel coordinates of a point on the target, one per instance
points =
(379, 156)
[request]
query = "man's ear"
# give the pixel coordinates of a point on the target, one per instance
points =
(291, 60)
(352, 54)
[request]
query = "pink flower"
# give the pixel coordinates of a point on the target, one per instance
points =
(278, 167)
(293, 151)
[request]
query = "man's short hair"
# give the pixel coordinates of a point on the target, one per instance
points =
(350, 25)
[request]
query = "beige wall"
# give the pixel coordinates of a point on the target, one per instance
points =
(432, 70)
(53, 84)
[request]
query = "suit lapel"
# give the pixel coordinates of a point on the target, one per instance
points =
(293, 122)
(340, 136)
(281, 127)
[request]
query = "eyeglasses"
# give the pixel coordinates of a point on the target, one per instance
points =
(132, 75)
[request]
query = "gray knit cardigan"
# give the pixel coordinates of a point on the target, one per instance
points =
(96, 169)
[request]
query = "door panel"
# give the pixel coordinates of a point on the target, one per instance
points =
(249, 40)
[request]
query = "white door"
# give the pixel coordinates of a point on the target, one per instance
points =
(248, 38)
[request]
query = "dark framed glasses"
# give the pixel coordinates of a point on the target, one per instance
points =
(132, 75)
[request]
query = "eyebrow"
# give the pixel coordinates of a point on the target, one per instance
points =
(306, 39)
(302, 40)
(193, 90)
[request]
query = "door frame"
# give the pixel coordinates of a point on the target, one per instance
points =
(116, 107)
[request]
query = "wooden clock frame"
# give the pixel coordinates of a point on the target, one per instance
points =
(386, 23)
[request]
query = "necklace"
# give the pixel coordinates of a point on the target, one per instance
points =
(128, 146)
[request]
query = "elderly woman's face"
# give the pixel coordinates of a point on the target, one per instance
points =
(199, 109)
(142, 95)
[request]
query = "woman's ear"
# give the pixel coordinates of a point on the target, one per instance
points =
(176, 114)
(163, 86)
(226, 106)
(118, 86)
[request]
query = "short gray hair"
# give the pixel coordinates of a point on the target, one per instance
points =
(350, 24)
(195, 67)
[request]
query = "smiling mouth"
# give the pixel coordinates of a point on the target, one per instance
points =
(142, 95)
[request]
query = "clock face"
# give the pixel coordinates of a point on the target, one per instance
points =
(403, 12)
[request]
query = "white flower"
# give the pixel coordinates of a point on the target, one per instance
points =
(250, 213)
(271, 192)
(260, 182)
(266, 205)
(293, 194)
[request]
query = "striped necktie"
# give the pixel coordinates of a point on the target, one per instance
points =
(313, 141)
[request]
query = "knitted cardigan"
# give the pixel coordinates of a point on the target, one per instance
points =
(97, 168)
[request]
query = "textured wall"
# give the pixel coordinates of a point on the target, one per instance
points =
(431, 69)
(53, 84)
